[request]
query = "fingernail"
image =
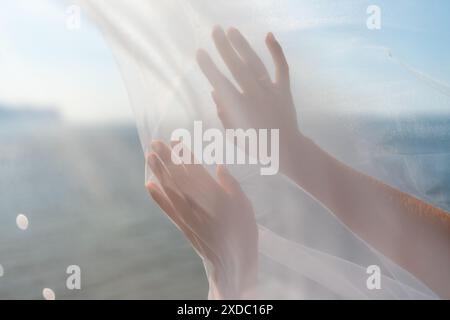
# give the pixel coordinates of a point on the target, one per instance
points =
(151, 160)
(151, 186)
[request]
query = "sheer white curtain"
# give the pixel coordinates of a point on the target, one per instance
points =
(305, 252)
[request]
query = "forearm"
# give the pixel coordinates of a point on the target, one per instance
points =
(414, 234)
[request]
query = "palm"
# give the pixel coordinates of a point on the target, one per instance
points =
(215, 216)
(259, 102)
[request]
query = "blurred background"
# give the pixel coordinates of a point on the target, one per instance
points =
(71, 160)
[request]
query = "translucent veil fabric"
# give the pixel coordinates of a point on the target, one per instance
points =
(305, 251)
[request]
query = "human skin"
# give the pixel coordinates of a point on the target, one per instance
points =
(414, 234)
(214, 215)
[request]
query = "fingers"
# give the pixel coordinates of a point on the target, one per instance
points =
(234, 63)
(279, 59)
(158, 195)
(198, 175)
(244, 64)
(170, 189)
(164, 203)
(193, 182)
(188, 213)
(217, 79)
(222, 111)
(163, 151)
(177, 173)
(248, 54)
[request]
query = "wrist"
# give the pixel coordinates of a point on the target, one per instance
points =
(292, 147)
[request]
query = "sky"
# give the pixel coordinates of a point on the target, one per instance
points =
(44, 63)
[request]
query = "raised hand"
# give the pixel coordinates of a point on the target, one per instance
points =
(215, 216)
(388, 219)
(259, 102)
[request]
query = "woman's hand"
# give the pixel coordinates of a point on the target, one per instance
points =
(259, 103)
(390, 220)
(215, 216)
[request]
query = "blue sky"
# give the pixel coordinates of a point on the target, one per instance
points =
(418, 32)
(43, 63)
